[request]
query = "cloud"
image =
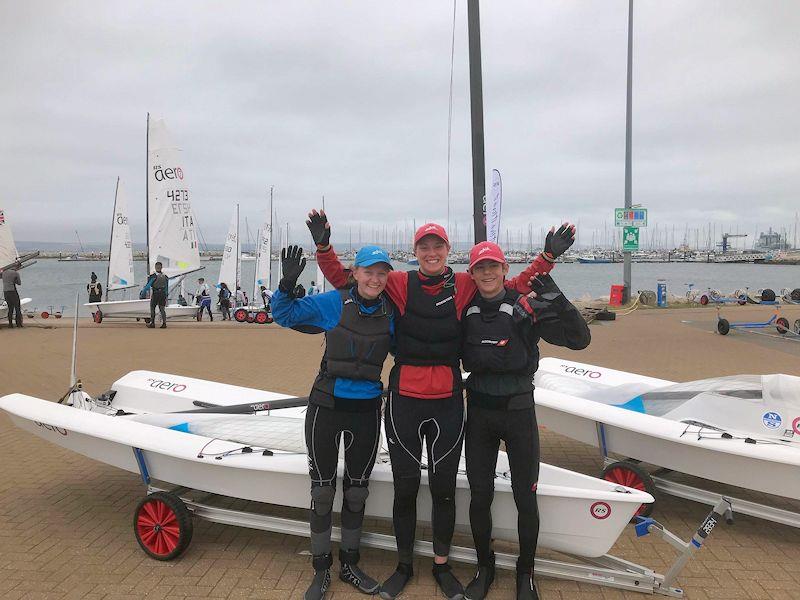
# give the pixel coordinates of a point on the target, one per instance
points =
(350, 100)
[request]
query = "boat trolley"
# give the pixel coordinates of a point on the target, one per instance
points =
(163, 528)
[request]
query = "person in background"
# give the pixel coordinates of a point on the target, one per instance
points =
(203, 298)
(241, 297)
(266, 296)
(225, 301)
(502, 328)
(313, 289)
(344, 402)
(11, 280)
(158, 283)
(94, 289)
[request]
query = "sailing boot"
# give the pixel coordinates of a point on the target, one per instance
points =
(352, 574)
(322, 577)
(393, 587)
(450, 587)
(478, 588)
(526, 588)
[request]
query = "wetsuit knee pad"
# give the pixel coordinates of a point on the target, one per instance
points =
(406, 487)
(355, 498)
(322, 499)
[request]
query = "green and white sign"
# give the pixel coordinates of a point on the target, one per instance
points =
(630, 217)
(630, 239)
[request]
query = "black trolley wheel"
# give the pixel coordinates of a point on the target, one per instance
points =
(162, 525)
(797, 326)
(782, 325)
(723, 326)
(631, 475)
(147, 320)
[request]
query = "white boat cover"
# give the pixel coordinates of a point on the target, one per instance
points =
(172, 239)
(762, 406)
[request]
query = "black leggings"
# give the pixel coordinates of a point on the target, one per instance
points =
(518, 429)
(361, 433)
(441, 423)
(13, 302)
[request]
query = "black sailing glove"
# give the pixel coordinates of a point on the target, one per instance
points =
(558, 242)
(548, 303)
(320, 228)
(293, 264)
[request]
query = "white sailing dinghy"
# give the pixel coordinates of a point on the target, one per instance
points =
(580, 515)
(9, 257)
(230, 269)
(742, 430)
(171, 236)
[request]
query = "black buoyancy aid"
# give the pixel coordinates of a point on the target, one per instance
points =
(429, 333)
(493, 339)
(357, 347)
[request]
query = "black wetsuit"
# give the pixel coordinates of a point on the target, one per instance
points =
(344, 406)
(501, 353)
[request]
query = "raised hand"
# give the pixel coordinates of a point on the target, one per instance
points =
(293, 264)
(559, 241)
(320, 228)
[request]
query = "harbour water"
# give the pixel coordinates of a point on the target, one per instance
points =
(52, 284)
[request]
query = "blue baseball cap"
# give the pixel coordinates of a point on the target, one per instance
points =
(370, 255)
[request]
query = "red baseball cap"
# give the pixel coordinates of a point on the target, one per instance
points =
(486, 251)
(431, 229)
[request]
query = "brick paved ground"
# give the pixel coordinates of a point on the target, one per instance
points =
(65, 521)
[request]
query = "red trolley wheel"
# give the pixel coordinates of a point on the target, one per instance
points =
(782, 325)
(240, 315)
(98, 317)
(162, 525)
(704, 299)
(45, 314)
(633, 476)
(261, 317)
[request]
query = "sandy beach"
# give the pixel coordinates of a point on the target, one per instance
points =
(65, 521)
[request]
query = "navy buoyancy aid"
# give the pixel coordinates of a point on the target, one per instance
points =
(356, 348)
(429, 333)
(494, 342)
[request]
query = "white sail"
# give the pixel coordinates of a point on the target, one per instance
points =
(229, 269)
(8, 250)
(494, 206)
(263, 274)
(171, 236)
(320, 280)
(120, 260)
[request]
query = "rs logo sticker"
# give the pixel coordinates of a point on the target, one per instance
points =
(600, 510)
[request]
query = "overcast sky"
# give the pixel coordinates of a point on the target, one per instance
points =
(350, 100)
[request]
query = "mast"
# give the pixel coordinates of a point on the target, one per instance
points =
(476, 110)
(111, 241)
(626, 269)
(147, 191)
